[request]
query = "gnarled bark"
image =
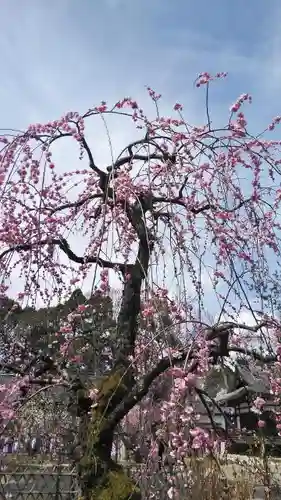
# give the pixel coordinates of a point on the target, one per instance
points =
(101, 478)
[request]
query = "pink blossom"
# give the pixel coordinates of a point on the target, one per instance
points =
(93, 394)
(183, 213)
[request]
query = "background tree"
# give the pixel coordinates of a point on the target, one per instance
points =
(178, 198)
(33, 331)
(30, 339)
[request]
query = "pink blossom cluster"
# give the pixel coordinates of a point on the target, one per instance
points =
(274, 122)
(179, 419)
(169, 176)
(9, 396)
(127, 102)
(238, 103)
(204, 195)
(205, 78)
(258, 405)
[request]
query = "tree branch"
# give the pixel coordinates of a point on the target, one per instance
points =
(7, 367)
(253, 354)
(215, 403)
(231, 396)
(42, 382)
(217, 331)
(128, 159)
(221, 332)
(75, 204)
(92, 164)
(230, 325)
(122, 160)
(181, 202)
(207, 206)
(137, 394)
(64, 246)
(206, 406)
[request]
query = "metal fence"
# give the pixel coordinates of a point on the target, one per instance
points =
(23, 477)
(32, 480)
(37, 477)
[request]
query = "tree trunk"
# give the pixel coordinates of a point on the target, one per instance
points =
(104, 479)
(101, 478)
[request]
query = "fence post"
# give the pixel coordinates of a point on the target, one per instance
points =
(57, 494)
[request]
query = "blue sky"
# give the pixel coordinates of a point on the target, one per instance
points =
(68, 55)
(64, 55)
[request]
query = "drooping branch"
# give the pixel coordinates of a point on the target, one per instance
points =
(64, 246)
(105, 177)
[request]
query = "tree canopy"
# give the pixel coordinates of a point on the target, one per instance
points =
(180, 213)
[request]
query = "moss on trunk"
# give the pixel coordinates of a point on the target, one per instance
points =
(101, 478)
(113, 484)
